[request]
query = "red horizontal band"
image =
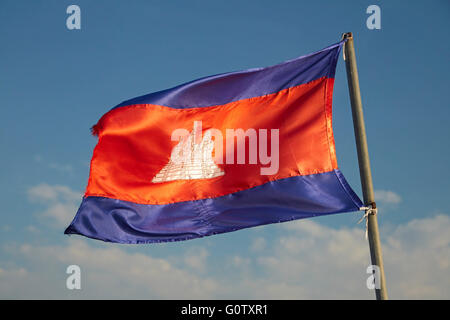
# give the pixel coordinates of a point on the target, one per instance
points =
(135, 144)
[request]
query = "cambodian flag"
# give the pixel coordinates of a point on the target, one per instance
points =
(217, 154)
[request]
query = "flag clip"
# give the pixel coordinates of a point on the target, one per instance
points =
(371, 209)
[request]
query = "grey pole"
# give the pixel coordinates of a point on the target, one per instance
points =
(364, 163)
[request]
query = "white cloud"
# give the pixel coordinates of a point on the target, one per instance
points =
(418, 258)
(5, 228)
(312, 261)
(303, 260)
(330, 263)
(106, 272)
(258, 244)
(61, 202)
(45, 192)
(32, 229)
(240, 262)
(388, 197)
(63, 168)
(195, 258)
(61, 213)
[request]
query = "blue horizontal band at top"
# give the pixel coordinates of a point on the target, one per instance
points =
(228, 87)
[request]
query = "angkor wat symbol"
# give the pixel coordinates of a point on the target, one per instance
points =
(190, 159)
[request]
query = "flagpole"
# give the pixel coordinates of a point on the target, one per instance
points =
(364, 162)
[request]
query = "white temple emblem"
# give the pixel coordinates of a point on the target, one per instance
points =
(191, 159)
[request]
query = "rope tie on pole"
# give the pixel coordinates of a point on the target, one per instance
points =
(371, 209)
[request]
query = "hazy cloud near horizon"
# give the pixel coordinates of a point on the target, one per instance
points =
(306, 260)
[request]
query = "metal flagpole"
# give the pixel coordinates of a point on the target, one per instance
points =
(364, 164)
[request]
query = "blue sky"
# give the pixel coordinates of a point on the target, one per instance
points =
(55, 84)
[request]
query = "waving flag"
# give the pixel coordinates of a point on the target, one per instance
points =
(216, 155)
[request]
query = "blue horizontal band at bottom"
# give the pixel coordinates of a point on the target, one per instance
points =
(277, 201)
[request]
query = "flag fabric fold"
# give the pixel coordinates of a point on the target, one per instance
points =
(217, 154)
